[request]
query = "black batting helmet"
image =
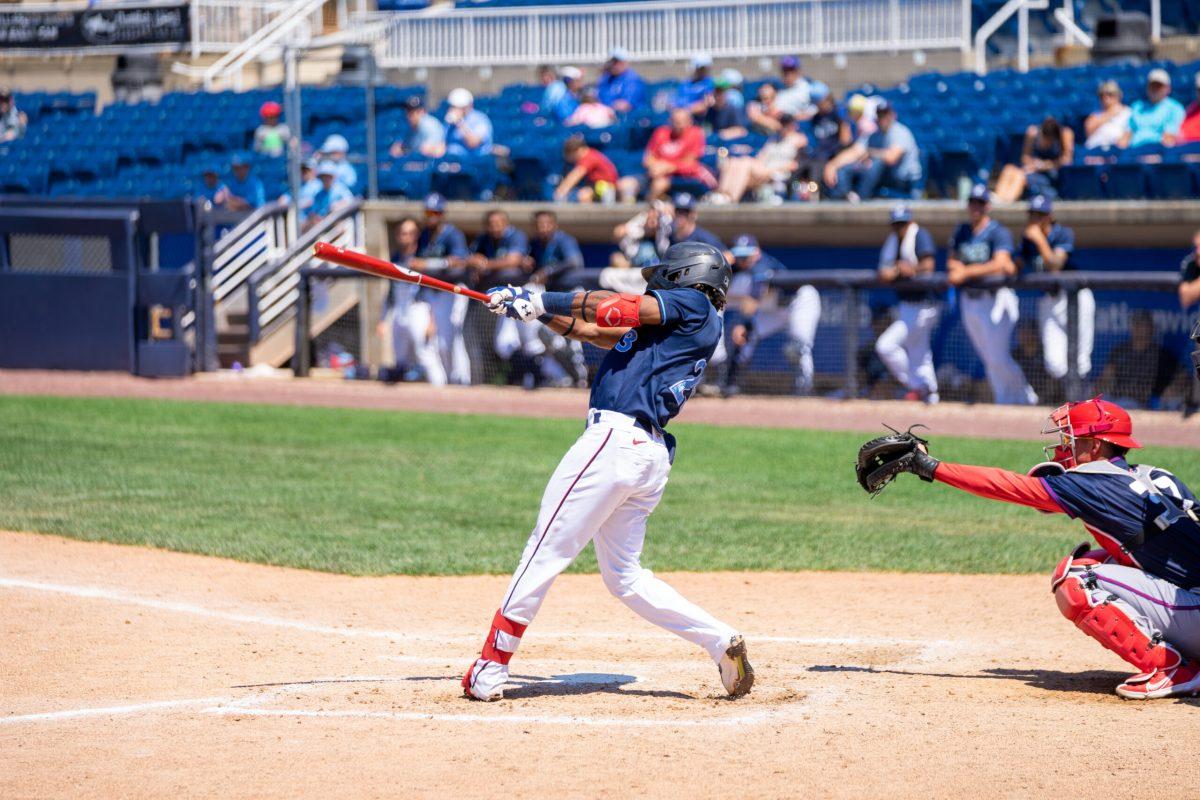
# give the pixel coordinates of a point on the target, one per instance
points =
(692, 264)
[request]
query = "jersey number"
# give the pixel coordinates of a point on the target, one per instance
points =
(683, 389)
(626, 342)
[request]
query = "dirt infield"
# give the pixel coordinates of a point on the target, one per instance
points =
(131, 672)
(998, 422)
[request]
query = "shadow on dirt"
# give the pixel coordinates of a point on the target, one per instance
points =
(1088, 682)
(581, 683)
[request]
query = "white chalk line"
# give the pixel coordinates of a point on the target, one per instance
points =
(97, 593)
(113, 711)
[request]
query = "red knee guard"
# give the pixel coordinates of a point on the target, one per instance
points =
(1111, 626)
(503, 639)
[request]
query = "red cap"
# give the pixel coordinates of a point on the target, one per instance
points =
(1096, 419)
(270, 109)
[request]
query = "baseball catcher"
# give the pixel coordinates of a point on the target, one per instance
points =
(1138, 594)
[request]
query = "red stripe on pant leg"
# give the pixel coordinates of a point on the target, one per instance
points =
(503, 623)
(554, 516)
(491, 648)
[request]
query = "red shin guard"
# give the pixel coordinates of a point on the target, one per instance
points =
(1108, 623)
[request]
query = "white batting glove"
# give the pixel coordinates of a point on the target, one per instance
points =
(498, 299)
(516, 303)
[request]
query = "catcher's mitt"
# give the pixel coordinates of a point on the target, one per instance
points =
(881, 460)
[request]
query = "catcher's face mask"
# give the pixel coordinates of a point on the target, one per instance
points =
(1061, 451)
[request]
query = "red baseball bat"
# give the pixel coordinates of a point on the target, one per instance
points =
(386, 269)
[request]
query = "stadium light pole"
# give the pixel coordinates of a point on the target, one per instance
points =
(372, 144)
(292, 115)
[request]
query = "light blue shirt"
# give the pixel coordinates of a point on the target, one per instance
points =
(477, 123)
(324, 200)
(898, 135)
(1148, 122)
(346, 174)
(428, 131)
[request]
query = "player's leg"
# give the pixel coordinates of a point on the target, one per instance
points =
(581, 494)
(1086, 301)
(920, 351)
(1006, 314)
(1052, 319)
(402, 353)
(460, 361)
(422, 336)
(619, 550)
(890, 347)
(804, 313)
(1150, 623)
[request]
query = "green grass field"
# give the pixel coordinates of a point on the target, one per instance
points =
(371, 492)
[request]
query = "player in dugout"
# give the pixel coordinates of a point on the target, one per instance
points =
(1138, 594)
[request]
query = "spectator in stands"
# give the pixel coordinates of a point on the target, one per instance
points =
(554, 256)
(568, 102)
(863, 112)
(752, 271)
(685, 226)
(1156, 119)
(1189, 275)
(426, 135)
(1048, 147)
(271, 137)
(468, 132)
(887, 158)
(621, 88)
(1105, 127)
(980, 265)
(241, 191)
(13, 121)
(795, 98)
(497, 258)
(908, 255)
(554, 89)
(337, 149)
(734, 82)
(1047, 246)
(210, 183)
(414, 340)
(332, 195)
(1140, 369)
(832, 133)
(442, 253)
(590, 111)
(592, 176)
(726, 120)
(764, 113)
(1189, 131)
(775, 164)
(674, 151)
(696, 92)
(643, 240)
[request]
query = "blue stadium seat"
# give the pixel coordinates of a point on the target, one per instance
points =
(1079, 182)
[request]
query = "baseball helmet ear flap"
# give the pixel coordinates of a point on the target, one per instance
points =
(694, 264)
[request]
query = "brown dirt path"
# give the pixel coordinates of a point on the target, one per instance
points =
(216, 678)
(999, 422)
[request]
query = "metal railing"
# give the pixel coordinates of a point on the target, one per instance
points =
(273, 288)
(662, 30)
(239, 253)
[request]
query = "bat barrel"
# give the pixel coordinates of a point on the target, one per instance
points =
(386, 269)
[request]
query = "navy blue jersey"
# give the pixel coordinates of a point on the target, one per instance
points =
(446, 242)
(653, 370)
(556, 259)
(511, 241)
(1060, 238)
(923, 247)
(1152, 526)
(699, 234)
(970, 247)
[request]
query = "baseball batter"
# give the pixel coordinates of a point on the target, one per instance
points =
(609, 482)
(1138, 594)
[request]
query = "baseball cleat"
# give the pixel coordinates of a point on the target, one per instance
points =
(485, 681)
(737, 675)
(1181, 680)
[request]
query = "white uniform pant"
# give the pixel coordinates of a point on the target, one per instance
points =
(904, 346)
(413, 341)
(990, 318)
(603, 491)
(800, 319)
(449, 311)
(1161, 606)
(1052, 319)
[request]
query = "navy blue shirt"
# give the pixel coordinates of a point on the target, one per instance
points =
(653, 370)
(447, 242)
(1154, 529)
(826, 128)
(970, 247)
(726, 116)
(511, 241)
(1059, 238)
(925, 247)
(556, 258)
(699, 234)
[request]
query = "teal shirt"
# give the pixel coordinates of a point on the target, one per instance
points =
(1148, 122)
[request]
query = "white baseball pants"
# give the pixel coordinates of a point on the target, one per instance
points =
(412, 344)
(603, 491)
(449, 311)
(1052, 319)
(904, 346)
(990, 318)
(800, 320)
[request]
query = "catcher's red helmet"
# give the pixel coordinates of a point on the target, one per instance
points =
(1093, 419)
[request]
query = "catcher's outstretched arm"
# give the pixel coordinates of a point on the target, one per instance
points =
(999, 484)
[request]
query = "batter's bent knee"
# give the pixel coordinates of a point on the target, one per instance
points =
(621, 582)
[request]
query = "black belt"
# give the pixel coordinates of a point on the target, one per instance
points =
(641, 423)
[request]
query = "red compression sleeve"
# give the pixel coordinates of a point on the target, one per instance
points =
(998, 484)
(620, 311)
